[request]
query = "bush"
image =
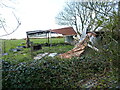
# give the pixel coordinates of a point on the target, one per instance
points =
(50, 72)
(61, 73)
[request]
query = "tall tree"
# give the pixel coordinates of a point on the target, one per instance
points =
(85, 15)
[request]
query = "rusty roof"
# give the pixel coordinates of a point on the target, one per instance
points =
(65, 31)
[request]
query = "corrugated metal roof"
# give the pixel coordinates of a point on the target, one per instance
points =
(65, 31)
(37, 32)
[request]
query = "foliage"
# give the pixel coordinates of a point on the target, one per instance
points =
(50, 72)
(23, 72)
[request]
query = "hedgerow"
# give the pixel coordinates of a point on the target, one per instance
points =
(50, 72)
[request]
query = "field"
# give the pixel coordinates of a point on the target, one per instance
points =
(14, 43)
(20, 70)
(57, 46)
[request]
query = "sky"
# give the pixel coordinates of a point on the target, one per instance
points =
(33, 15)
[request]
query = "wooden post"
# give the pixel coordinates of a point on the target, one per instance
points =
(48, 38)
(27, 42)
(31, 49)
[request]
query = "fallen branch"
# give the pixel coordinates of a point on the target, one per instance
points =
(77, 50)
(93, 47)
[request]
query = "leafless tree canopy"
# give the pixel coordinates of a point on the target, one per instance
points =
(86, 15)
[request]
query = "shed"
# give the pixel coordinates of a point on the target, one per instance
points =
(68, 32)
(37, 33)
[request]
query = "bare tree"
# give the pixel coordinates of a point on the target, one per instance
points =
(2, 19)
(85, 15)
(7, 3)
(76, 15)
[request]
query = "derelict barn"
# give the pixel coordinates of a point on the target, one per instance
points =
(67, 32)
(37, 33)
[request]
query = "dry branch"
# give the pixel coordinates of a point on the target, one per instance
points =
(77, 51)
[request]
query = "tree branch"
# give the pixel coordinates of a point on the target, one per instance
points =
(13, 30)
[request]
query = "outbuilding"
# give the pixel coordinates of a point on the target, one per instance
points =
(67, 32)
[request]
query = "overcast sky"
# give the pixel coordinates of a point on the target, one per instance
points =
(33, 15)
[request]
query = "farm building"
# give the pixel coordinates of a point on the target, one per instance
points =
(67, 32)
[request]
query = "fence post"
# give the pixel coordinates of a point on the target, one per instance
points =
(31, 49)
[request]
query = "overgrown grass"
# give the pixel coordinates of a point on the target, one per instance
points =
(21, 71)
(58, 46)
(8, 44)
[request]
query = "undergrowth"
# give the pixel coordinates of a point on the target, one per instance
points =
(62, 73)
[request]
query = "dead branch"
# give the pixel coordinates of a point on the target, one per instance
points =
(19, 23)
(77, 51)
(94, 48)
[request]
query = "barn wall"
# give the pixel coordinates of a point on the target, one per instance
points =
(69, 39)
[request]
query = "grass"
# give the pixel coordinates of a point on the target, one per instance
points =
(8, 44)
(58, 46)
(21, 71)
(44, 40)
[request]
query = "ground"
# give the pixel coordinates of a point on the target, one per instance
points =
(90, 70)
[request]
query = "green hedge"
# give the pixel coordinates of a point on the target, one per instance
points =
(50, 72)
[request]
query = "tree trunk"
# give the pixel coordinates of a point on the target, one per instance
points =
(77, 51)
